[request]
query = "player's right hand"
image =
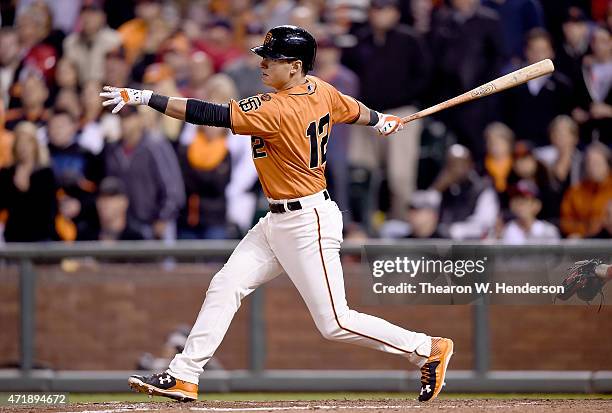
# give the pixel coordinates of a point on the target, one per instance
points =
(388, 124)
(124, 96)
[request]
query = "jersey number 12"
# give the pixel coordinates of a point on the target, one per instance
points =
(312, 132)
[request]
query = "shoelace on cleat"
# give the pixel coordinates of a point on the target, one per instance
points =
(425, 374)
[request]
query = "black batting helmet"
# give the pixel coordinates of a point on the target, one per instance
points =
(289, 42)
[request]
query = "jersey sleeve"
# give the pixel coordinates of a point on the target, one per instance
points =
(345, 109)
(256, 115)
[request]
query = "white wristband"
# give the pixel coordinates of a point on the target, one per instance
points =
(381, 121)
(146, 95)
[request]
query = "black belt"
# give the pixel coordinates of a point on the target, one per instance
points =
(291, 206)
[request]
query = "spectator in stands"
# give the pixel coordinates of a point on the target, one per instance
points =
(176, 54)
(421, 218)
(584, 205)
(68, 100)
(525, 227)
(41, 46)
(28, 189)
(34, 94)
(64, 13)
(9, 61)
(420, 16)
(575, 44)
(529, 108)
(6, 141)
(245, 72)
(217, 169)
(469, 50)
(517, 17)
(76, 171)
(112, 205)
(116, 68)
(344, 15)
(562, 156)
(274, 12)
(88, 47)
(329, 68)
(92, 131)
(469, 205)
(527, 167)
(606, 230)
(401, 55)
(218, 44)
(145, 32)
(151, 49)
(595, 90)
(200, 70)
(66, 74)
(498, 161)
(160, 77)
(149, 170)
(305, 15)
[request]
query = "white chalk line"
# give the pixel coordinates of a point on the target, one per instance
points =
(280, 408)
(246, 409)
(286, 408)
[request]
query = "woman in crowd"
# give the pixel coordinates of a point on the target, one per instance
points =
(28, 189)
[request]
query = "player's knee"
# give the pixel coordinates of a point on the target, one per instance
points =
(331, 331)
(223, 285)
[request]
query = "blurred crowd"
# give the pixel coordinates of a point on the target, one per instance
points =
(531, 164)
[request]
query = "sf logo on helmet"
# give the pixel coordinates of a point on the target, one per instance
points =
(268, 38)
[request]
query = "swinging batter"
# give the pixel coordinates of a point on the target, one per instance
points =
(301, 234)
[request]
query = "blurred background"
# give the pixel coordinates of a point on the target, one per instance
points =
(529, 165)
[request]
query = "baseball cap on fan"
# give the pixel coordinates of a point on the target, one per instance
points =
(574, 15)
(524, 189)
(522, 148)
(111, 186)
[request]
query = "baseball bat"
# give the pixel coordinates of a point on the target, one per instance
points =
(518, 77)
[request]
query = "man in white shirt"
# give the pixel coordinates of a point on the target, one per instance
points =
(526, 228)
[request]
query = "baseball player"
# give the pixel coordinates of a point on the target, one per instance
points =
(301, 234)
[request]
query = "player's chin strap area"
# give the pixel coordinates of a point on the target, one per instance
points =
(287, 205)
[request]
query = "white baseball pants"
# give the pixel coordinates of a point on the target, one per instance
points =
(306, 245)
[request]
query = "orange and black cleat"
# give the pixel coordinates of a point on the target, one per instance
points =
(434, 370)
(163, 384)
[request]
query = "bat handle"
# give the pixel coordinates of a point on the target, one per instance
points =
(411, 118)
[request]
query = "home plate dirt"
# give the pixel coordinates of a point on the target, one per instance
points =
(361, 406)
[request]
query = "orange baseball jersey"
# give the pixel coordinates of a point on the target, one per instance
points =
(290, 130)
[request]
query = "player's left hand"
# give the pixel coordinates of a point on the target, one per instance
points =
(388, 124)
(124, 96)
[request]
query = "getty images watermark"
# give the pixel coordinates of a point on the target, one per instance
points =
(445, 273)
(419, 269)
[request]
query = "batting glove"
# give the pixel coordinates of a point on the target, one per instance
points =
(124, 96)
(388, 124)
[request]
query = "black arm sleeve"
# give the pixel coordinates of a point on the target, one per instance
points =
(200, 112)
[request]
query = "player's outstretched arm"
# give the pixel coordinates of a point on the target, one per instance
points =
(191, 110)
(385, 124)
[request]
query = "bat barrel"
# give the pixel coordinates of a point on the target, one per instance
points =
(518, 77)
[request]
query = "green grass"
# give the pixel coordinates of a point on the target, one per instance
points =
(135, 397)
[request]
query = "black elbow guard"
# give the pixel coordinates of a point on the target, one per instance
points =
(200, 112)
